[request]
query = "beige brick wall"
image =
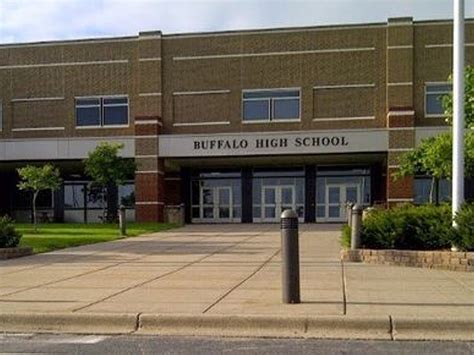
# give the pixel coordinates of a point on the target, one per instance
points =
(162, 72)
(344, 102)
(435, 64)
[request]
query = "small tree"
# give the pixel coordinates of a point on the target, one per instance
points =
(36, 179)
(108, 170)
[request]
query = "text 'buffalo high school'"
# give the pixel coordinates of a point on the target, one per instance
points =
(234, 126)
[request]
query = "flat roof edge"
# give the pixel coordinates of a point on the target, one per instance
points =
(154, 34)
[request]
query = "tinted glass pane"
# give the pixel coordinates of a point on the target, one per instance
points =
(127, 195)
(439, 88)
(422, 190)
(87, 102)
(115, 115)
(321, 211)
(195, 212)
(334, 195)
(286, 109)
(224, 212)
(73, 196)
(256, 110)
(287, 195)
(257, 212)
(237, 213)
(115, 100)
(445, 190)
(88, 116)
(351, 194)
(96, 198)
(207, 196)
(208, 212)
(270, 94)
(224, 197)
(270, 212)
(433, 104)
(269, 196)
(334, 211)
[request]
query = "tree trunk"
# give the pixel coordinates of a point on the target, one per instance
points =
(104, 205)
(35, 195)
(433, 181)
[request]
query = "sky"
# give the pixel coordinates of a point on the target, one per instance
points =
(40, 20)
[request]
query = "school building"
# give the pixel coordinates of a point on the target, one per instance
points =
(234, 126)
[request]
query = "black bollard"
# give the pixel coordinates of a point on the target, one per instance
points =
(356, 226)
(290, 271)
(122, 220)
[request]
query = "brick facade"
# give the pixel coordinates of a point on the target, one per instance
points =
(359, 77)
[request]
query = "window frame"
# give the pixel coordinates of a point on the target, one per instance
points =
(271, 105)
(439, 93)
(101, 99)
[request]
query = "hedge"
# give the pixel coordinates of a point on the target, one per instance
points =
(425, 227)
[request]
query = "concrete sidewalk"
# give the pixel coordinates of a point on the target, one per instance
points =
(228, 271)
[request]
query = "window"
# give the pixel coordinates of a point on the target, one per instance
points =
(102, 111)
(271, 105)
(23, 199)
(426, 190)
(433, 94)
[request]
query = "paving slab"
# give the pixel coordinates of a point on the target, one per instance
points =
(233, 271)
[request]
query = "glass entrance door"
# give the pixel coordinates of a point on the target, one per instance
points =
(336, 197)
(216, 204)
(276, 199)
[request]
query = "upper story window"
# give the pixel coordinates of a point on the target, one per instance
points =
(433, 94)
(270, 105)
(102, 111)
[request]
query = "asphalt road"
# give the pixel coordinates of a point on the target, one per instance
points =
(93, 344)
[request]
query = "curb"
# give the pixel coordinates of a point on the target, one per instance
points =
(327, 327)
(324, 327)
(68, 323)
(411, 328)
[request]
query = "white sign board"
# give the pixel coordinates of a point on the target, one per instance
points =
(320, 142)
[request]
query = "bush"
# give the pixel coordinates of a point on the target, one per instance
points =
(346, 236)
(425, 227)
(464, 236)
(9, 236)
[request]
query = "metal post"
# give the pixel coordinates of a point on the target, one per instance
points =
(356, 226)
(290, 270)
(458, 107)
(122, 220)
(349, 206)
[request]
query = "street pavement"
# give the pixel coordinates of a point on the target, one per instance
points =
(228, 270)
(73, 344)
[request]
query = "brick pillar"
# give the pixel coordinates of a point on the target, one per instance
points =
(149, 177)
(400, 112)
(401, 140)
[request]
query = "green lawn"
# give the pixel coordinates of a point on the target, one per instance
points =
(53, 236)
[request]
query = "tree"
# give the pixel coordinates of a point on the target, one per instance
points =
(36, 179)
(108, 170)
(447, 100)
(434, 155)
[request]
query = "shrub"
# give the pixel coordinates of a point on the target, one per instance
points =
(465, 230)
(408, 227)
(9, 236)
(346, 236)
